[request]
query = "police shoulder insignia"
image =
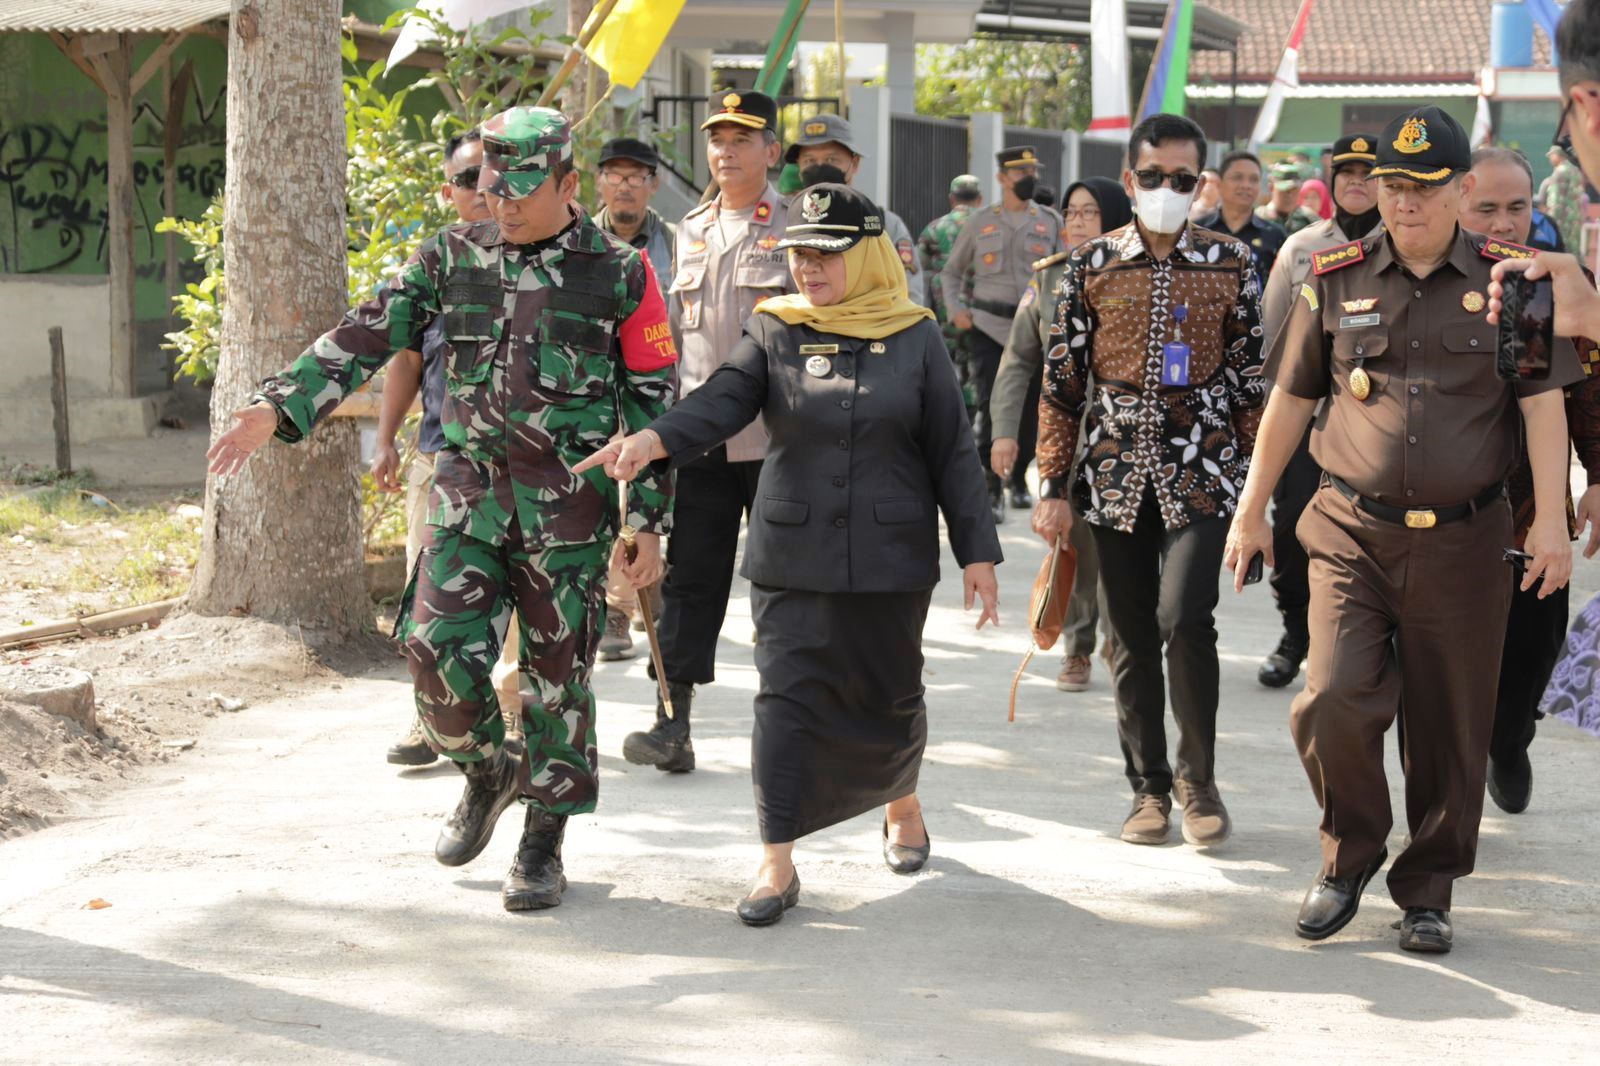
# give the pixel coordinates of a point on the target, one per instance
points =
(907, 254)
(1496, 249)
(1334, 258)
(763, 212)
(1310, 296)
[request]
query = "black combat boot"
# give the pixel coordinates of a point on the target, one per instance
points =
(536, 878)
(491, 786)
(667, 745)
(1283, 665)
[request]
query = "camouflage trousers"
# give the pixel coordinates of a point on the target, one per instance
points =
(452, 623)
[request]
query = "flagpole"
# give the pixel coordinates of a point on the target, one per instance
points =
(575, 52)
(1286, 78)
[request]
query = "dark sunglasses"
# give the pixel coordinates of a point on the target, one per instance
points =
(1180, 182)
(1563, 139)
(466, 179)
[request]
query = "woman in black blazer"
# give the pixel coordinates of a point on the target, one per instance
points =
(870, 441)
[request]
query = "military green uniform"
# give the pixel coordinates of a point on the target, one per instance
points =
(552, 349)
(933, 248)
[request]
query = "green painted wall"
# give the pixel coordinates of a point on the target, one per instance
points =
(53, 152)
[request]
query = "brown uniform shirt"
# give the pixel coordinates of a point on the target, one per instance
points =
(1438, 425)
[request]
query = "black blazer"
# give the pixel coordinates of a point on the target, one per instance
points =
(861, 456)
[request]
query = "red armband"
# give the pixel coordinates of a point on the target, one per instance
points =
(646, 335)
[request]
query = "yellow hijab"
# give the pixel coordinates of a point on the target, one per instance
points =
(875, 304)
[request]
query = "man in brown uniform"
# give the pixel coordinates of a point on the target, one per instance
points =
(1409, 592)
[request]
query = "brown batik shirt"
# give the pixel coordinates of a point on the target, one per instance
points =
(1189, 444)
(1438, 426)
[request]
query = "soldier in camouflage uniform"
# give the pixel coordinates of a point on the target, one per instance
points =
(933, 248)
(558, 338)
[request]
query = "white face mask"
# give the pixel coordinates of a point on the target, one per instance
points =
(1162, 210)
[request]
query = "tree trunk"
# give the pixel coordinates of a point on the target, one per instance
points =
(282, 539)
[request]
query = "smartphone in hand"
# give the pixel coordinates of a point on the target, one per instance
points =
(1526, 334)
(1255, 570)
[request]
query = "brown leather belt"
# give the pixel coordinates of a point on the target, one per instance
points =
(1417, 517)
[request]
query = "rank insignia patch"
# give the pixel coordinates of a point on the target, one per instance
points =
(763, 212)
(1497, 249)
(1335, 258)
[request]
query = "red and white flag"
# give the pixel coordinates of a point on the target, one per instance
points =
(1288, 77)
(1108, 69)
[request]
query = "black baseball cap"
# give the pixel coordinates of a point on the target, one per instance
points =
(831, 218)
(1353, 148)
(629, 148)
(757, 111)
(823, 128)
(1425, 145)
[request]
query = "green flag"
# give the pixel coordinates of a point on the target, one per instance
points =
(780, 53)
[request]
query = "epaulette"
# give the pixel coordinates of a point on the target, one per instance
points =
(1337, 257)
(700, 210)
(1050, 260)
(1497, 249)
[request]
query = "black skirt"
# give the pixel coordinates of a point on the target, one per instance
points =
(839, 717)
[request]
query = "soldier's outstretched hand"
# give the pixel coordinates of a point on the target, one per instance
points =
(252, 427)
(623, 459)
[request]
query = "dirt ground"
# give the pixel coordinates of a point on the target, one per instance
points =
(154, 690)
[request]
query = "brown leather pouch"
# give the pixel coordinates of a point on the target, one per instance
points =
(1047, 609)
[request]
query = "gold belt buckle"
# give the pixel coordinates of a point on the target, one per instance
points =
(1421, 519)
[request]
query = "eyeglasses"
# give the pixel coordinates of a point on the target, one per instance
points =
(1152, 179)
(615, 179)
(466, 179)
(1563, 140)
(1087, 214)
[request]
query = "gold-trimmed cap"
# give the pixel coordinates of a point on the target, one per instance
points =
(1426, 145)
(757, 111)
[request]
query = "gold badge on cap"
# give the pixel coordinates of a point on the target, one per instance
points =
(1473, 302)
(732, 101)
(1360, 384)
(1027, 154)
(1359, 145)
(816, 129)
(1413, 137)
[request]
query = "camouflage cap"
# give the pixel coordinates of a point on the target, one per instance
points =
(520, 149)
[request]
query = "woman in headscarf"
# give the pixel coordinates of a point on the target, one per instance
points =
(1091, 207)
(1314, 198)
(870, 442)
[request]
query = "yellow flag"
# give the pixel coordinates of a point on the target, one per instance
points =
(630, 38)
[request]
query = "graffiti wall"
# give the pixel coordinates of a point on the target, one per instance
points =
(53, 159)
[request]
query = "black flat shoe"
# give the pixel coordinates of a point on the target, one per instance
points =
(901, 859)
(1332, 901)
(1426, 930)
(768, 910)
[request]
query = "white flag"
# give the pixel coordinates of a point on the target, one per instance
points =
(459, 14)
(1482, 123)
(1108, 69)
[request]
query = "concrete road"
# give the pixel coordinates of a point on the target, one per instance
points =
(274, 899)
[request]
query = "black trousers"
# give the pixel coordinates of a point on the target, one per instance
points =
(1535, 632)
(1161, 591)
(1027, 434)
(1294, 491)
(711, 498)
(986, 364)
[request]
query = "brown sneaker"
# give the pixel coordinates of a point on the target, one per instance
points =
(1147, 823)
(1205, 820)
(1074, 675)
(616, 643)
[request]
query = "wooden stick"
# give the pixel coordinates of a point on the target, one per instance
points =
(630, 551)
(58, 400)
(575, 53)
(90, 624)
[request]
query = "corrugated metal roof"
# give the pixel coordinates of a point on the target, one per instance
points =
(107, 16)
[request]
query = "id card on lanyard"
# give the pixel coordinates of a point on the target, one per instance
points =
(1175, 353)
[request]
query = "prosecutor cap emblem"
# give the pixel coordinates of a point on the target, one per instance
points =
(1413, 137)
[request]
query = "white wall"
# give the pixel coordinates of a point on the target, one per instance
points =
(29, 305)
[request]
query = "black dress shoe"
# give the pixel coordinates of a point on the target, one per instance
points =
(768, 910)
(1511, 783)
(1332, 901)
(1283, 665)
(902, 859)
(1425, 929)
(491, 788)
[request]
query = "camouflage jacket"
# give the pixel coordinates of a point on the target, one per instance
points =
(551, 349)
(933, 248)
